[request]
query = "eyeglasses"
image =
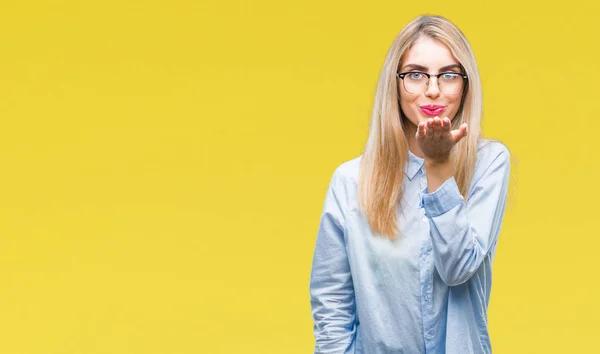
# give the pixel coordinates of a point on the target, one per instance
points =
(449, 83)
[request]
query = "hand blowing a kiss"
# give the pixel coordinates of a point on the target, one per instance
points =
(436, 140)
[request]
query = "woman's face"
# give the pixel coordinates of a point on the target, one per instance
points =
(428, 101)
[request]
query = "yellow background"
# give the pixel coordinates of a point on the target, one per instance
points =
(164, 165)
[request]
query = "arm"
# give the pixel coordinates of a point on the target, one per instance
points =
(463, 234)
(331, 288)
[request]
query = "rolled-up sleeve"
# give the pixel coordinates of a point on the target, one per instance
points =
(331, 289)
(463, 233)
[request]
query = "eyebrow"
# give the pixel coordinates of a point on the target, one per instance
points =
(424, 68)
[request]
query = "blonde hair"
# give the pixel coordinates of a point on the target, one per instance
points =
(386, 149)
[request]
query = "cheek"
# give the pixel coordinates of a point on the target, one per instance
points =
(455, 106)
(408, 102)
(408, 106)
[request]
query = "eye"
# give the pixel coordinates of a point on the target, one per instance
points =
(450, 76)
(415, 75)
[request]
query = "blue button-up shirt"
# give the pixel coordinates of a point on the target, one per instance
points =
(426, 292)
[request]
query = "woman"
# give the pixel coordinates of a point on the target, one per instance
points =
(408, 233)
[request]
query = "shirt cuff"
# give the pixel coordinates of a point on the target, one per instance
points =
(446, 197)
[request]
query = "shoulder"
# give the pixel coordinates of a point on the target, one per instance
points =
(490, 147)
(491, 151)
(347, 172)
(349, 169)
(344, 182)
(492, 155)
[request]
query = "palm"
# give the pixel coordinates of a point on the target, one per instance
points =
(436, 140)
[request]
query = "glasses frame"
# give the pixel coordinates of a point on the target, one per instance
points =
(437, 76)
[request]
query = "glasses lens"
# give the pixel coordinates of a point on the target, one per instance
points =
(450, 84)
(415, 83)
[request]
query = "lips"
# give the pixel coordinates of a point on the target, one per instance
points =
(432, 110)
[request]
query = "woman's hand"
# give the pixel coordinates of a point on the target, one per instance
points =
(436, 139)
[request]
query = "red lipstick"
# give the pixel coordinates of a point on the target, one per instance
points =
(432, 109)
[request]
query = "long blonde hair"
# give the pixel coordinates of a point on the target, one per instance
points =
(386, 150)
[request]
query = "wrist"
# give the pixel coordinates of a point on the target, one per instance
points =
(439, 168)
(438, 171)
(437, 162)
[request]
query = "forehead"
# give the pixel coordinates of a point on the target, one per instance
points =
(430, 53)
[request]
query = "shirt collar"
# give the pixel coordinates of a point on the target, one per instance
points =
(413, 165)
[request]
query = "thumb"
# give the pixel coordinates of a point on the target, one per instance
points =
(460, 132)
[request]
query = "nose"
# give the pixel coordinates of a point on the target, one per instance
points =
(433, 90)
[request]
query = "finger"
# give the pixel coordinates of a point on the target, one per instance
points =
(460, 132)
(464, 129)
(429, 129)
(437, 128)
(420, 131)
(446, 124)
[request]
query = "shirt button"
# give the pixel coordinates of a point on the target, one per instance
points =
(430, 336)
(426, 296)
